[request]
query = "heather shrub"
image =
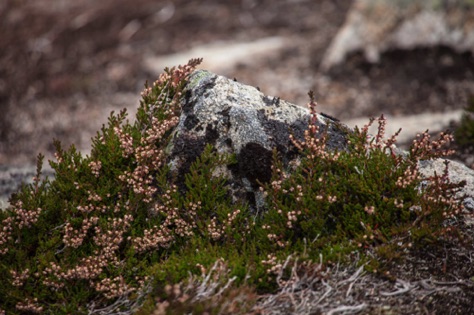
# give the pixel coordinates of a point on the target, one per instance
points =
(368, 198)
(84, 240)
(115, 233)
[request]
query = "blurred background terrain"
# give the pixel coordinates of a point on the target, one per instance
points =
(65, 65)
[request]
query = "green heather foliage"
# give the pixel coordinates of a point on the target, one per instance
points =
(366, 197)
(112, 233)
(464, 134)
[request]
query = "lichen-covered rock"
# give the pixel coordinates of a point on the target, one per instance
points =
(375, 26)
(238, 119)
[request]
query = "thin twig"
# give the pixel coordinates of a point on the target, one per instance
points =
(345, 309)
(406, 288)
(353, 279)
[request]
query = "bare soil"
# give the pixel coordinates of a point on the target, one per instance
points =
(64, 65)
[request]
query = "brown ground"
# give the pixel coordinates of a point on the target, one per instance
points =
(64, 65)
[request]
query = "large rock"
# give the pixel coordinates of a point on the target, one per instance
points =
(375, 26)
(239, 119)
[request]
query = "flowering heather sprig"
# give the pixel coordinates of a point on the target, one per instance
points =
(113, 288)
(25, 218)
(110, 239)
(423, 148)
(89, 267)
(173, 218)
(140, 181)
(218, 230)
(273, 266)
(180, 221)
(52, 276)
(398, 203)
(147, 91)
(365, 128)
(5, 235)
(149, 156)
(19, 278)
(92, 196)
(152, 239)
(74, 238)
(182, 72)
(410, 175)
(95, 167)
(369, 210)
(148, 152)
(58, 157)
(154, 135)
(314, 138)
(292, 217)
(167, 84)
(214, 231)
(380, 132)
(126, 142)
(29, 305)
(379, 141)
(174, 224)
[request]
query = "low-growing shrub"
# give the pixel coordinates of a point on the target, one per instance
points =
(366, 197)
(111, 233)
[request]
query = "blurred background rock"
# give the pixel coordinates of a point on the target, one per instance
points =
(64, 65)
